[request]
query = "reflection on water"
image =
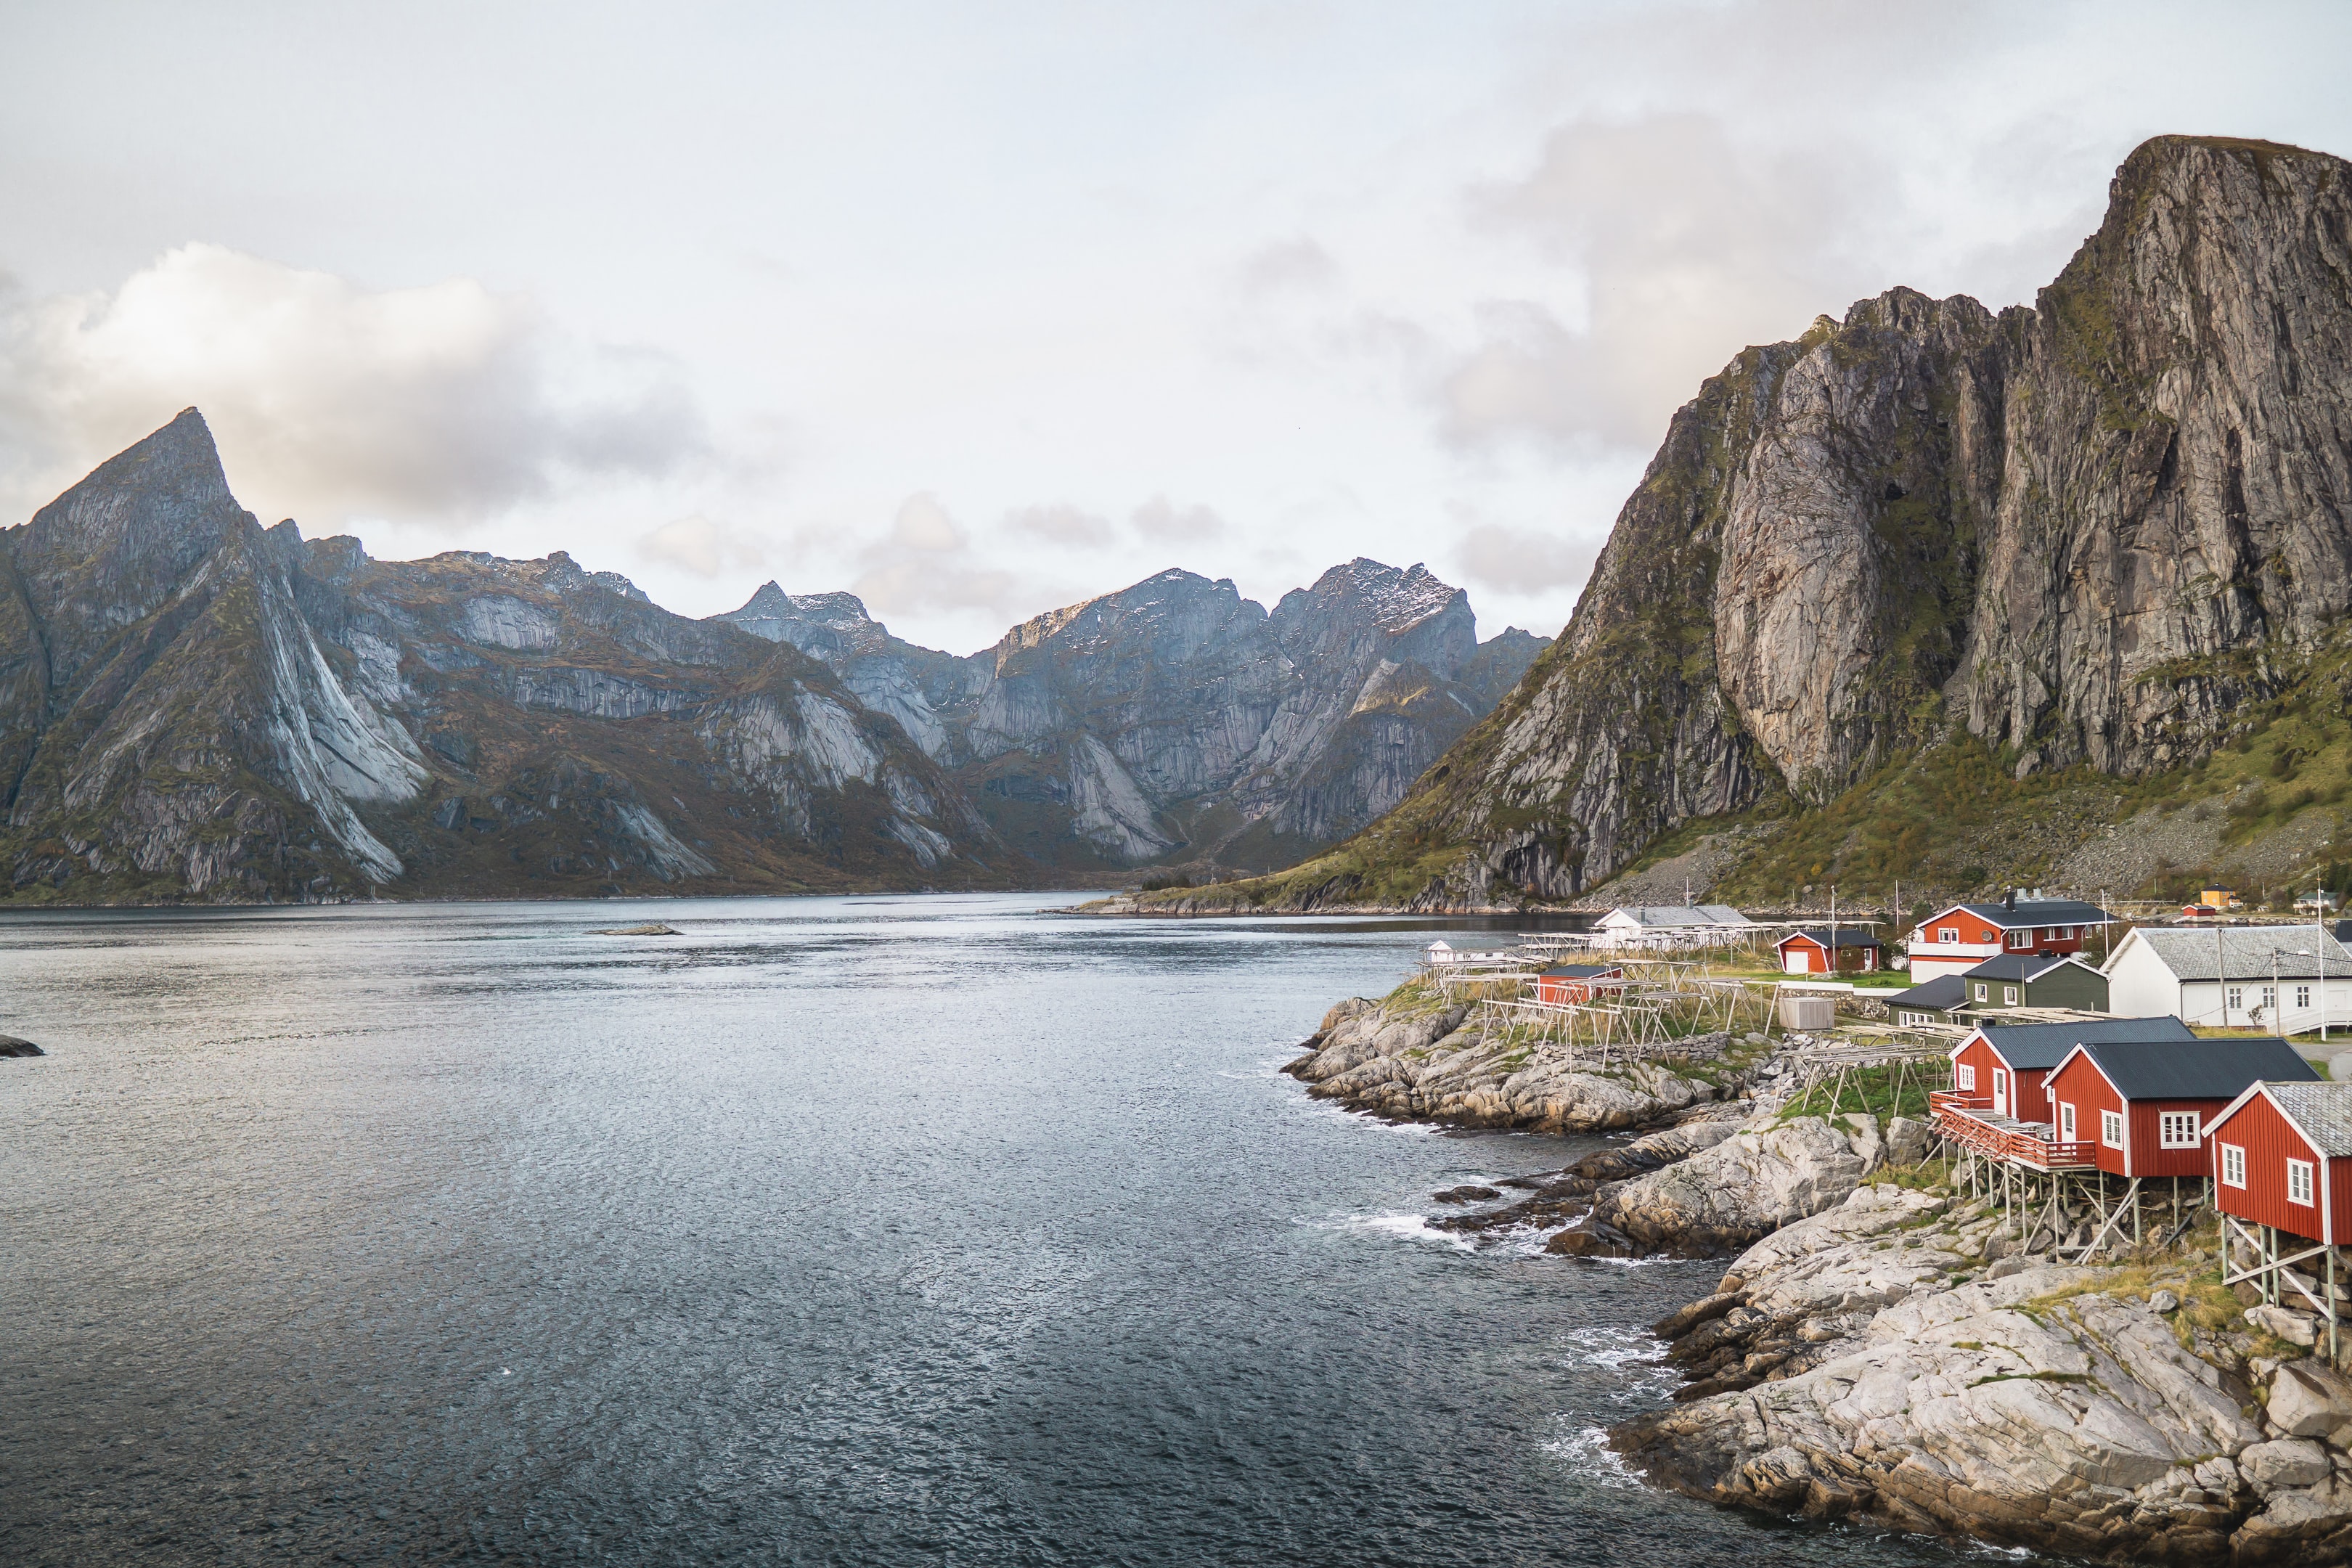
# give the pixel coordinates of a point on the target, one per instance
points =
(857, 1230)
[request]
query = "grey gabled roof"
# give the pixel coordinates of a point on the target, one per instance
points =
(2322, 1111)
(2198, 1069)
(2021, 965)
(1678, 915)
(2245, 951)
(2038, 1047)
(1847, 936)
(1940, 994)
(1579, 970)
(2042, 912)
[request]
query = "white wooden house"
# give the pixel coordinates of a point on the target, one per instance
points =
(2268, 977)
(1675, 925)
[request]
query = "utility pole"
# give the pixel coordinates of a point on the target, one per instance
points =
(2221, 974)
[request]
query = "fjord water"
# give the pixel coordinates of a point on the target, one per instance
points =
(945, 1229)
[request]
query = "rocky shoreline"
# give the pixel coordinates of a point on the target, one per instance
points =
(1881, 1348)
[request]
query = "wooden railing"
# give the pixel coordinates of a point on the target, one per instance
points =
(1968, 1119)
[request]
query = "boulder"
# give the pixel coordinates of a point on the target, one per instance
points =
(1869, 1145)
(2295, 1327)
(2308, 1400)
(1745, 1187)
(2288, 1462)
(1907, 1142)
(2165, 1302)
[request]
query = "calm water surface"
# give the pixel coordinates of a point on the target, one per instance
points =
(937, 1230)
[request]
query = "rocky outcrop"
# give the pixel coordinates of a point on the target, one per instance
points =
(1867, 1363)
(1413, 1058)
(1744, 1187)
(194, 707)
(2089, 532)
(1175, 720)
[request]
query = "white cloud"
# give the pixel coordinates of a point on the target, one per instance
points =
(1060, 523)
(1518, 561)
(695, 544)
(1159, 521)
(446, 402)
(1685, 245)
(928, 564)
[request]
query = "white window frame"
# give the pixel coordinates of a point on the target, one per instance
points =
(2235, 1001)
(1982, 991)
(2270, 998)
(2233, 1166)
(1947, 936)
(1964, 1076)
(2303, 997)
(2065, 1121)
(2021, 940)
(2111, 1128)
(2168, 1122)
(2009, 996)
(2069, 934)
(2298, 1174)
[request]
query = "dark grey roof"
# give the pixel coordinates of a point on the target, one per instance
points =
(1942, 994)
(1847, 936)
(2324, 1112)
(2046, 912)
(1578, 971)
(2245, 952)
(2197, 1069)
(2038, 1047)
(2016, 967)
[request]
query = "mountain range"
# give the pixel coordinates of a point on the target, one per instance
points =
(195, 707)
(1176, 719)
(1945, 594)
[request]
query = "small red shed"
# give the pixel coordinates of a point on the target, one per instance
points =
(2004, 1068)
(1572, 982)
(2282, 1156)
(2143, 1106)
(1808, 951)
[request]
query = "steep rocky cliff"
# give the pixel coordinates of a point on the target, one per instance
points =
(1175, 720)
(193, 707)
(2087, 534)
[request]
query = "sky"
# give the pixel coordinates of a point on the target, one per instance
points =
(979, 311)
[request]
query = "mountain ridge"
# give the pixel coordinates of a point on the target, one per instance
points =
(195, 707)
(1173, 719)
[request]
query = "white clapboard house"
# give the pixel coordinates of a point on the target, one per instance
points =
(2268, 977)
(1643, 925)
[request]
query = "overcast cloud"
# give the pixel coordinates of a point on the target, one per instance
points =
(980, 310)
(444, 403)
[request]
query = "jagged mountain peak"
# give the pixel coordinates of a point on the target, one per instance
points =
(1396, 599)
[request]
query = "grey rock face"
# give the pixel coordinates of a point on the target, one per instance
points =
(1841, 1373)
(192, 706)
(1741, 1189)
(2088, 529)
(1413, 1062)
(1176, 721)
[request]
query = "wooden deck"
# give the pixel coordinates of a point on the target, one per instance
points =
(1968, 1118)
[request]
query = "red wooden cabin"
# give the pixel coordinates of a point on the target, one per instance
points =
(1808, 951)
(2282, 1156)
(1572, 983)
(2003, 1067)
(2143, 1106)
